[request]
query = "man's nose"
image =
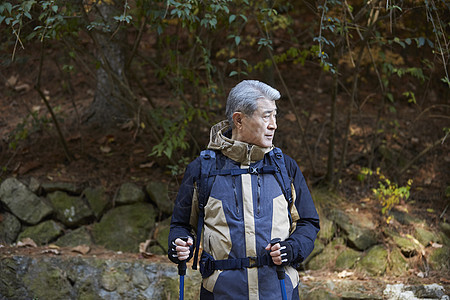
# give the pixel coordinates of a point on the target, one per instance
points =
(273, 123)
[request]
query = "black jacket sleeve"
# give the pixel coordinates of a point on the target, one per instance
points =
(180, 224)
(303, 237)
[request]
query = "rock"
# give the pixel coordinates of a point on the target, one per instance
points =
(318, 248)
(50, 187)
(129, 193)
(70, 210)
(439, 259)
(327, 229)
(161, 236)
(360, 296)
(158, 193)
(9, 228)
(124, 227)
(74, 277)
(113, 279)
(73, 238)
(444, 238)
(139, 279)
(347, 259)
(359, 232)
(10, 286)
(45, 281)
(25, 205)
(402, 292)
(97, 199)
(328, 255)
(320, 295)
(405, 218)
(428, 291)
(34, 185)
(374, 262)
(43, 233)
(445, 227)
(408, 245)
(398, 265)
(424, 236)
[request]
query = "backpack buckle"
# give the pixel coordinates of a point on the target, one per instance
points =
(252, 261)
(253, 170)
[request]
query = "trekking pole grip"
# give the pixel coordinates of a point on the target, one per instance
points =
(280, 269)
(182, 268)
(182, 265)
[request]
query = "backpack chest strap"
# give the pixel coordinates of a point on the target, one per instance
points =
(250, 170)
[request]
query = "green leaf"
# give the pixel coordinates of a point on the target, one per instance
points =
(390, 97)
(237, 40)
(8, 7)
(233, 73)
(420, 42)
(231, 19)
(444, 79)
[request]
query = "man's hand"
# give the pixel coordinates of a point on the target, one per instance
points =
(281, 253)
(182, 248)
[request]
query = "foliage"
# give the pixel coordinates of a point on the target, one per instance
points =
(31, 123)
(197, 48)
(388, 193)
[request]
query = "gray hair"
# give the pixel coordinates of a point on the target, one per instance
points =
(245, 95)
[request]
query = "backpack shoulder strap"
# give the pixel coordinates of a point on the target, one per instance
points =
(282, 176)
(207, 165)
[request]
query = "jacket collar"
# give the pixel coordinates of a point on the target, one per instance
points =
(244, 153)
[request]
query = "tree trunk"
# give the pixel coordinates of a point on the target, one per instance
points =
(109, 105)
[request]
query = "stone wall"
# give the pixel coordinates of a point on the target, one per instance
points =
(76, 277)
(66, 215)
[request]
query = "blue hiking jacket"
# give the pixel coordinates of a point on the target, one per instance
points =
(242, 215)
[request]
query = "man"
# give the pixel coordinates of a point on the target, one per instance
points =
(248, 206)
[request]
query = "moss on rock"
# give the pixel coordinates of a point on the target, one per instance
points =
(124, 227)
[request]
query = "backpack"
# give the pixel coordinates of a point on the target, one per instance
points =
(208, 173)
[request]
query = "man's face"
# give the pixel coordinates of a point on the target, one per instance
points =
(259, 128)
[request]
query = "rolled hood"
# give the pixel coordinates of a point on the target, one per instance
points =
(244, 153)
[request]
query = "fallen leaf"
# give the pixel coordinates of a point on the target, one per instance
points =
(344, 274)
(143, 249)
(26, 242)
(105, 149)
(83, 249)
(23, 87)
(51, 251)
(147, 165)
(128, 125)
(138, 151)
(12, 80)
(436, 245)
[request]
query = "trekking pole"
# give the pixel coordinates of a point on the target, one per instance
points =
(182, 272)
(280, 273)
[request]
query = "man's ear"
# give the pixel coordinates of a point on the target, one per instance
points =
(237, 119)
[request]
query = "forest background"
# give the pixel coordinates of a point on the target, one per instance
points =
(103, 92)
